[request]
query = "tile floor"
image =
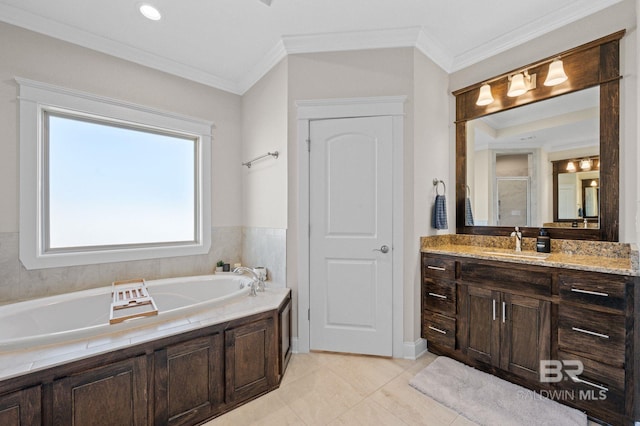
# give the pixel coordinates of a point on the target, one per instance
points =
(335, 389)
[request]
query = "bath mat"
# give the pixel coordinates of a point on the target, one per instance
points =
(488, 400)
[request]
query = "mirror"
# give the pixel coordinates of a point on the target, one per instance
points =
(508, 150)
(517, 163)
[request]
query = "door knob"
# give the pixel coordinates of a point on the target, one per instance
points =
(383, 249)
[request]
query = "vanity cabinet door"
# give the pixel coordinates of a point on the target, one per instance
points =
(189, 379)
(250, 360)
(115, 394)
(21, 408)
(525, 336)
(481, 340)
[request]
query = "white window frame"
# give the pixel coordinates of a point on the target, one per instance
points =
(34, 99)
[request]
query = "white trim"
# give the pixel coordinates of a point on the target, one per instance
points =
(413, 350)
(35, 97)
(342, 108)
(416, 37)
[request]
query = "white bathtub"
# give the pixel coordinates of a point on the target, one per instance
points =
(85, 313)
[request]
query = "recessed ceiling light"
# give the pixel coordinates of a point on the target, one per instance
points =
(150, 12)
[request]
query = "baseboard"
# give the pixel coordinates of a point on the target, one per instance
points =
(294, 345)
(413, 350)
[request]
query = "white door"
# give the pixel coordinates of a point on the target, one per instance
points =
(350, 235)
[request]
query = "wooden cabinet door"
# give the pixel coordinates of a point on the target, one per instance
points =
(21, 408)
(189, 381)
(482, 333)
(115, 394)
(250, 360)
(284, 337)
(525, 336)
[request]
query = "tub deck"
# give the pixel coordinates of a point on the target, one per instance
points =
(18, 362)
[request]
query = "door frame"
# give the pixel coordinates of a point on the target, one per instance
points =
(307, 111)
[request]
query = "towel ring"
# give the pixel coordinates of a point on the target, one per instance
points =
(468, 191)
(436, 182)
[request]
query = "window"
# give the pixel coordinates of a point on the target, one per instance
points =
(104, 181)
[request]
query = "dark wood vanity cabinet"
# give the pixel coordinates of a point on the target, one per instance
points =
(505, 318)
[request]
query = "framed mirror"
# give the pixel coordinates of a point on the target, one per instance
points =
(512, 154)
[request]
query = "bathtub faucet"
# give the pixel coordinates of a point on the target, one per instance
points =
(254, 283)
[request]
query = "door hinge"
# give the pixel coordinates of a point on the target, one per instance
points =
(308, 145)
(309, 314)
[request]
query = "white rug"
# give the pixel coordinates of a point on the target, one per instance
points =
(488, 400)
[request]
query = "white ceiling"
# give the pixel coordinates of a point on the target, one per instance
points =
(230, 44)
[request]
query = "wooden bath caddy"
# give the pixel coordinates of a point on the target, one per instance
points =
(130, 300)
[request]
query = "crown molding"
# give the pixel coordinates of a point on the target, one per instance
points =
(270, 60)
(566, 15)
(416, 37)
(19, 17)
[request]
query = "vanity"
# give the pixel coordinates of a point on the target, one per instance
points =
(564, 324)
(510, 313)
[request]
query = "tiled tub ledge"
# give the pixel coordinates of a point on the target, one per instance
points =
(596, 256)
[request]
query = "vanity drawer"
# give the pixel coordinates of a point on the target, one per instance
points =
(595, 335)
(594, 289)
(439, 296)
(437, 267)
(599, 385)
(439, 329)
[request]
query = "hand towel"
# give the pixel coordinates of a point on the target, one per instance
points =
(440, 213)
(468, 214)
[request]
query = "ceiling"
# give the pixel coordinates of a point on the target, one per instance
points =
(230, 44)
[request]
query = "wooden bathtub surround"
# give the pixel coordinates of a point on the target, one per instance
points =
(504, 316)
(184, 379)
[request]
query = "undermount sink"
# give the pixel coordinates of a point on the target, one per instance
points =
(530, 255)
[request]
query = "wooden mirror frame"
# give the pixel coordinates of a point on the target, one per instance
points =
(560, 167)
(593, 64)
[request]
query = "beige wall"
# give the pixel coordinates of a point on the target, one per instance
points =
(264, 129)
(381, 72)
(612, 19)
(33, 56)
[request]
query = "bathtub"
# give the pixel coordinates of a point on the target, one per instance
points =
(85, 313)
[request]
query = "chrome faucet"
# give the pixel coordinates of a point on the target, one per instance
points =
(518, 236)
(255, 283)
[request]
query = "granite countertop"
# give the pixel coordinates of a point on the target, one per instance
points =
(17, 362)
(606, 257)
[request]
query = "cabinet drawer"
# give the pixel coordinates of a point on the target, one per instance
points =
(599, 385)
(439, 329)
(437, 267)
(439, 296)
(533, 282)
(597, 372)
(594, 289)
(595, 335)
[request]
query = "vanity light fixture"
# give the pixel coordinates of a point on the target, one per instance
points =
(593, 183)
(556, 74)
(485, 97)
(571, 167)
(585, 164)
(150, 12)
(521, 83)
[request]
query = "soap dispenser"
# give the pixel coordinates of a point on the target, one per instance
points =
(543, 243)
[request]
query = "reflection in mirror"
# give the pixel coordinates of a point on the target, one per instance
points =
(511, 157)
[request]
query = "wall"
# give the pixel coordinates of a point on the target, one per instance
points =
(264, 185)
(612, 19)
(33, 56)
(380, 72)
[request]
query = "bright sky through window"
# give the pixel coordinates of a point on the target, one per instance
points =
(113, 185)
